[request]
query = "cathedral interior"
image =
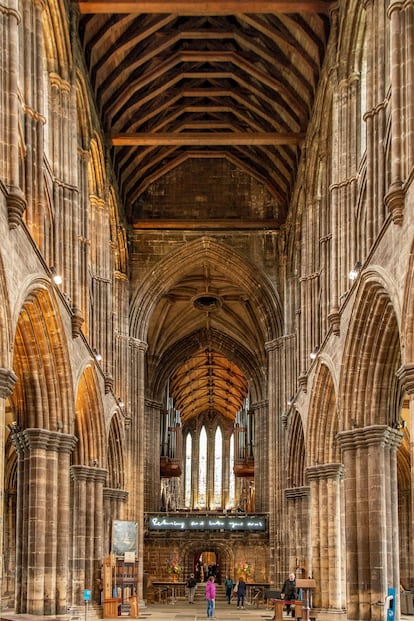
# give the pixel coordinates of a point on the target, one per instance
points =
(206, 298)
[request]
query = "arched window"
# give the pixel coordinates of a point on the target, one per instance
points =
(202, 470)
(218, 467)
(188, 454)
(232, 487)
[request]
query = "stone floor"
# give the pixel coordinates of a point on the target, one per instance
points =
(182, 611)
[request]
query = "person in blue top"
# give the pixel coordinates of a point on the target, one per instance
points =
(228, 585)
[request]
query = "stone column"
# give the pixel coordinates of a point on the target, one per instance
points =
(371, 513)
(297, 530)
(394, 199)
(261, 472)
(42, 509)
(113, 503)
(136, 446)
(87, 529)
(326, 518)
(271, 498)
(406, 376)
(152, 455)
(9, 114)
(8, 380)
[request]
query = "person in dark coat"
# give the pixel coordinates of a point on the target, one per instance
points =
(289, 591)
(241, 592)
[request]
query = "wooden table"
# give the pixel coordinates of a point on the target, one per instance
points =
(169, 587)
(255, 592)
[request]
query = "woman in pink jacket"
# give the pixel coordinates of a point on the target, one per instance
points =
(210, 596)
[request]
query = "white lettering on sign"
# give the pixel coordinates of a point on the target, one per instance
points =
(206, 523)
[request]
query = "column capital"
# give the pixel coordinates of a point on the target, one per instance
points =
(8, 380)
(138, 344)
(405, 374)
(88, 473)
(374, 435)
(324, 471)
(274, 344)
(115, 494)
(293, 493)
(48, 440)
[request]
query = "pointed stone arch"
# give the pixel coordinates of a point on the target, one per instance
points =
(369, 389)
(201, 251)
(43, 396)
(90, 424)
(246, 360)
(42, 434)
(322, 425)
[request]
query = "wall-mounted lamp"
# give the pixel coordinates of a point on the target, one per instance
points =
(97, 355)
(57, 278)
(290, 400)
(354, 273)
(314, 353)
(121, 403)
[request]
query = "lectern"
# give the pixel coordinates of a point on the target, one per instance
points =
(306, 585)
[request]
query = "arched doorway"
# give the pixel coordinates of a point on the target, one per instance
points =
(206, 564)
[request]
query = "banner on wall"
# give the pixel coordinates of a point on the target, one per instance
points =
(124, 538)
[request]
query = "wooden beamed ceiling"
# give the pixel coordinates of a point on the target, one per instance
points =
(180, 81)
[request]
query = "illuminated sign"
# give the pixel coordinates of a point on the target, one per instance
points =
(242, 523)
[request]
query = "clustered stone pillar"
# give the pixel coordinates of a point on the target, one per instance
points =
(152, 455)
(8, 380)
(273, 447)
(10, 21)
(297, 542)
(136, 445)
(401, 15)
(87, 530)
(371, 512)
(328, 560)
(406, 376)
(114, 501)
(42, 520)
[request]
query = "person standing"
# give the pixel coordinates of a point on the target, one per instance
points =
(228, 585)
(290, 592)
(210, 596)
(241, 592)
(191, 587)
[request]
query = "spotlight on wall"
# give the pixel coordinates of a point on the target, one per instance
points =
(57, 278)
(314, 353)
(354, 273)
(97, 355)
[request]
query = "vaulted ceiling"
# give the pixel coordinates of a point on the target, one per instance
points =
(207, 82)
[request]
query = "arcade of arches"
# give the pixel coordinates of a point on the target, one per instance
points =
(206, 295)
